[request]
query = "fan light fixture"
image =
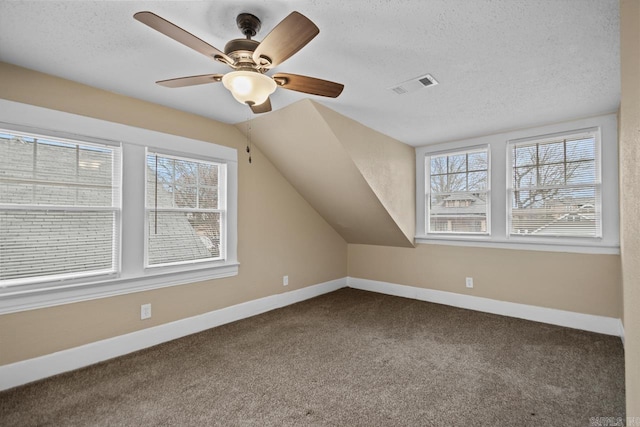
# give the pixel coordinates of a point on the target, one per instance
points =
(249, 87)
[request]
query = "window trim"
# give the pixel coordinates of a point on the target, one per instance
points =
(133, 277)
(608, 244)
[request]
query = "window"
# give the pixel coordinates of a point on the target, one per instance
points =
(185, 210)
(548, 188)
(59, 208)
(458, 191)
(79, 217)
(555, 186)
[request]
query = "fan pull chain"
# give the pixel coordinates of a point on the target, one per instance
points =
(249, 143)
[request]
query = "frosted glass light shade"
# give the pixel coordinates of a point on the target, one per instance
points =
(249, 87)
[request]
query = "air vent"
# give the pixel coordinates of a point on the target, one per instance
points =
(427, 81)
(414, 84)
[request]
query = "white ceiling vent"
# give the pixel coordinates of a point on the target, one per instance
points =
(414, 84)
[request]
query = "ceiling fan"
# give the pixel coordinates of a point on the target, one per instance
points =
(250, 59)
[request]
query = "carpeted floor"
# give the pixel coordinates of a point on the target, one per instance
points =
(349, 358)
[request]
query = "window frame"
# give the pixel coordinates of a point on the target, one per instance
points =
(427, 185)
(609, 243)
(222, 210)
(115, 208)
(132, 277)
(594, 133)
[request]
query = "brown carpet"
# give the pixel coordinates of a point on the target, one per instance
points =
(348, 358)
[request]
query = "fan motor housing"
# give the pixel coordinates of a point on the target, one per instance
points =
(241, 51)
(239, 45)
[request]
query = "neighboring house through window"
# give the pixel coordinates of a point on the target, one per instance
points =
(458, 188)
(555, 186)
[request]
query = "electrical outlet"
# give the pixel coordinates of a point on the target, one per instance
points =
(145, 311)
(469, 282)
(285, 280)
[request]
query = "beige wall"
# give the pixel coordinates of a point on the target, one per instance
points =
(581, 283)
(275, 229)
(630, 195)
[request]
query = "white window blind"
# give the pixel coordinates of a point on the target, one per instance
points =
(458, 191)
(555, 187)
(186, 210)
(59, 208)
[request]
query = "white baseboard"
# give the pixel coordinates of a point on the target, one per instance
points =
(569, 319)
(26, 371)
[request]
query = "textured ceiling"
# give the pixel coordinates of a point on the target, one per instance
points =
(501, 64)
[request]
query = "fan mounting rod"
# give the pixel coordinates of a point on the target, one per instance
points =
(241, 50)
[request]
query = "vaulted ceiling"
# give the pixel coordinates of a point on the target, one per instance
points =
(500, 64)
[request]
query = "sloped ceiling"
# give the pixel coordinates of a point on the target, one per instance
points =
(386, 164)
(366, 192)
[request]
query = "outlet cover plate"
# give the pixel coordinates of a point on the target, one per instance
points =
(145, 311)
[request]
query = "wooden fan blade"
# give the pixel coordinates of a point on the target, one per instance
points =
(288, 37)
(178, 34)
(265, 107)
(308, 85)
(191, 80)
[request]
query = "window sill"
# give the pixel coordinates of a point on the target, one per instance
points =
(15, 300)
(520, 244)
